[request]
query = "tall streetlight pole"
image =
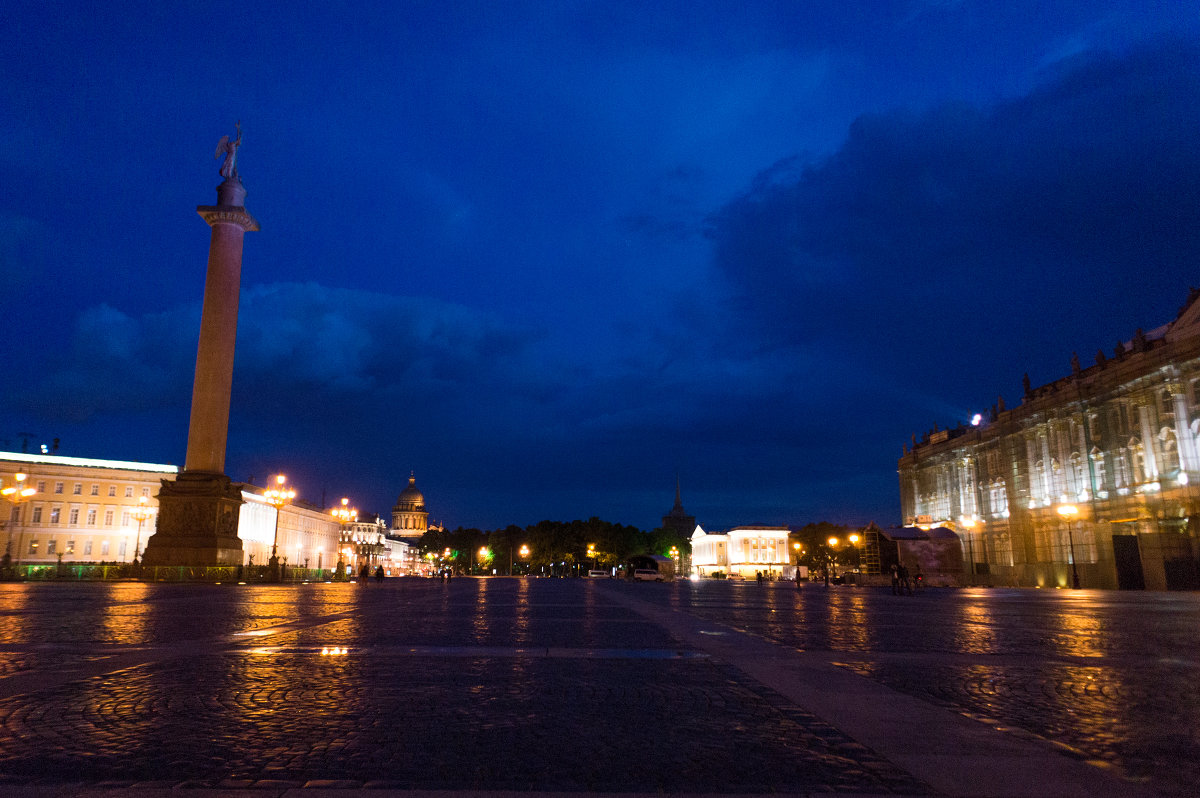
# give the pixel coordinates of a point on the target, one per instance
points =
(141, 514)
(1069, 512)
(525, 556)
(17, 493)
(345, 515)
(278, 496)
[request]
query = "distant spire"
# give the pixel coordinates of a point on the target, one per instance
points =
(678, 500)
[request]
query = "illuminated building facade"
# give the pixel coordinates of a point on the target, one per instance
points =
(82, 510)
(86, 511)
(409, 518)
(743, 551)
(1094, 477)
(308, 535)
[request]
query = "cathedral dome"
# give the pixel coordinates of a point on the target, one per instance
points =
(410, 496)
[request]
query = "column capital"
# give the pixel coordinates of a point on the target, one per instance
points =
(228, 214)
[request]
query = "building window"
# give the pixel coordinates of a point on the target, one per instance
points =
(91, 517)
(129, 491)
(87, 548)
(15, 514)
(51, 546)
(108, 517)
(33, 546)
(70, 547)
(104, 548)
(145, 491)
(54, 511)
(125, 518)
(95, 490)
(74, 519)
(121, 549)
(41, 486)
(37, 515)
(112, 490)
(78, 489)
(58, 487)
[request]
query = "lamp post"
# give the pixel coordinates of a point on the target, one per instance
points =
(525, 556)
(278, 496)
(1069, 512)
(345, 515)
(591, 554)
(483, 553)
(969, 525)
(141, 514)
(829, 561)
(674, 553)
(17, 494)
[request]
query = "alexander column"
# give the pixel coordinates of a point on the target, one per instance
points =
(197, 522)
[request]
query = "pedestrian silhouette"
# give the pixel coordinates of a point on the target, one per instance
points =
(379, 574)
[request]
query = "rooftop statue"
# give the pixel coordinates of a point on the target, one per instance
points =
(229, 150)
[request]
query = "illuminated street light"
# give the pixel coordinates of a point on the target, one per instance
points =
(141, 514)
(278, 496)
(345, 514)
(16, 494)
(1069, 512)
(591, 553)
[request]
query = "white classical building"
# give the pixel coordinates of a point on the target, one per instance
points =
(85, 510)
(79, 508)
(744, 551)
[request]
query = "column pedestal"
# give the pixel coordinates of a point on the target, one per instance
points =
(197, 522)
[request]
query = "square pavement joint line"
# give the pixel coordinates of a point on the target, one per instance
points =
(955, 755)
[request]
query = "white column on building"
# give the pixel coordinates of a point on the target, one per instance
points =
(1047, 468)
(1148, 458)
(1031, 464)
(1183, 434)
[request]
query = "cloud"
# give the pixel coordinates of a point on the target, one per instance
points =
(948, 233)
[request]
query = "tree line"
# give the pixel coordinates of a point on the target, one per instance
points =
(558, 547)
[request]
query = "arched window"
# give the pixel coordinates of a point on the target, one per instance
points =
(1099, 469)
(1079, 480)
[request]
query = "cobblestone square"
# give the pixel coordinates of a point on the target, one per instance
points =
(569, 685)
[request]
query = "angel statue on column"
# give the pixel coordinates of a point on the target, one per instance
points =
(229, 150)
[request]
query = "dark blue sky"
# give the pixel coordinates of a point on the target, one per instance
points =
(548, 255)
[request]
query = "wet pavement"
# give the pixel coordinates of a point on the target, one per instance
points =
(595, 686)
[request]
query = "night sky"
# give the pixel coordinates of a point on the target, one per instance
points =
(551, 255)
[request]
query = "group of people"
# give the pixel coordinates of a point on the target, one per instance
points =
(901, 584)
(364, 573)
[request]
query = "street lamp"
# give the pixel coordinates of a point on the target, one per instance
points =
(141, 514)
(829, 561)
(17, 494)
(1069, 512)
(969, 525)
(483, 552)
(591, 553)
(345, 515)
(278, 496)
(525, 556)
